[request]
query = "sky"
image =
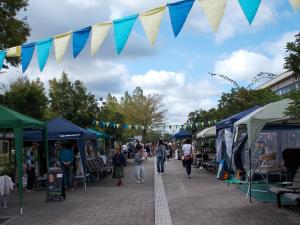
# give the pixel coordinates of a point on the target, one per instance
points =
(177, 68)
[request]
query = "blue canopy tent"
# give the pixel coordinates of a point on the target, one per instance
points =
(182, 135)
(224, 139)
(62, 129)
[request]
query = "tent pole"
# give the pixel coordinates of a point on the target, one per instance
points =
(45, 145)
(250, 176)
(18, 133)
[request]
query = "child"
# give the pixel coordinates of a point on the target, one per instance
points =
(139, 168)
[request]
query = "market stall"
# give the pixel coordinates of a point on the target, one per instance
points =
(11, 120)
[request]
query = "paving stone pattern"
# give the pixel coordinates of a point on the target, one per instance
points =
(203, 200)
(101, 204)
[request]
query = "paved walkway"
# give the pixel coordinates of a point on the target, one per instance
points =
(101, 204)
(203, 200)
(200, 200)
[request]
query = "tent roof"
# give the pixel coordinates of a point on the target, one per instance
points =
(183, 134)
(99, 134)
(228, 122)
(256, 120)
(61, 129)
(13, 119)
(207, 132)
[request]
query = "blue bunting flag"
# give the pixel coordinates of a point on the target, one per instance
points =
(80, 38)
(43, 50)
(122, 29)
(178, 13)
(27, 52)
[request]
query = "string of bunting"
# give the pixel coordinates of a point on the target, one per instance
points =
(105, 124)
(151, 20)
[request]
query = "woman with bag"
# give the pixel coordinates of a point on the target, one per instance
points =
(188, 149)
(119, 162)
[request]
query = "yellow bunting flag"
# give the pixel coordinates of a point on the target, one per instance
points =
(129, 126)
(295, 4)
(118, 125)
(151, 21)
(61, 43)
(99, 32)
(214, 11)
(14, 52)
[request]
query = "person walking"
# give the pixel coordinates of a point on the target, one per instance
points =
(188, 149)
(119, 163)
(160, 157)
(66, 158)
(139, 168)
(31, 163)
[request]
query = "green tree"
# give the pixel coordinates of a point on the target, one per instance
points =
(72, 101)
(292, 64)
(292, 60)
(13, 29)
(27, 97)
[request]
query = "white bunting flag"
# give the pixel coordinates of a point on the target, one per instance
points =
(61, 43)
(14, 52)
(99, 33)
(295, 4)
(151, 21)
(214, 11)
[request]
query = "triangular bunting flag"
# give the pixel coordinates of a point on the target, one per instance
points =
(295, 4)
(250, 8)
(122, 29)
(2, 57)
(151, 21)
(197, 124)
(118, 125)
(178, 13)
(14, 52)
(202, 124)
(61, 43)
(97, 123)
(129, 126)
(214, 11)
(181, 126)
(149, 127)
(99, 32)
(43, 50)
(137, 126)
(185, 126)
(80, 38)
(176, 126)
(27, 52)
(107, 124)
(209, 122)
(143, 127)
(170, 127)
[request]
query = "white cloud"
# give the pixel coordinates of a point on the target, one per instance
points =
(243, 65)
(180, 95)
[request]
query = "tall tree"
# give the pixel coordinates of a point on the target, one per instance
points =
(292, 64)
(27, 97)
(292, 60)
(13, 30)
(72, 101)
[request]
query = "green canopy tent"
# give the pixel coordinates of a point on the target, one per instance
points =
(10, 119)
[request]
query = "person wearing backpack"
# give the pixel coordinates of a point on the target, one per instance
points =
(160, 157)
(187, 150)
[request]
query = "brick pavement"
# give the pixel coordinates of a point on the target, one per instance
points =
(101, 204)
(203, 200)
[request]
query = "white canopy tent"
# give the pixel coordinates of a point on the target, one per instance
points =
(256, 120)
(207, 132)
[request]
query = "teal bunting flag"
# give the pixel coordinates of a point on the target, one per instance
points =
(178, 13)
(2, 57)
(43, 50)
(80, 38)
(170, 127)
(122, 29)
(27, 52)
(250, 8)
